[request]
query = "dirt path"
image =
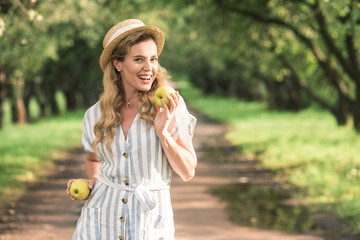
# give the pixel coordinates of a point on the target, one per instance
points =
(46, 212)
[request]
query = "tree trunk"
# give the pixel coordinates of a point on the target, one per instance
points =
(21, 111)
(14, 112)
(19, 102)
(40, 98)
(2, 95)
(208, 84)
(54, 108)
(270, 89)
(71, 102)
(294, 96)
(356, 110)
(50, 101)
(29, 91)
(42, 110)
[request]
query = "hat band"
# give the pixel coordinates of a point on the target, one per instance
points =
(122, 30)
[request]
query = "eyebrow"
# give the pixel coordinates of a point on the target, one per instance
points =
(140, 56)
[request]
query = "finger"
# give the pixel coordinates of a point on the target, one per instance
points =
(172, 101)
(176, 98)
(158, 109)
(91, 183)
(170, 97)
(69, 183)
(178, 95)
(165, 106)
(73, 199)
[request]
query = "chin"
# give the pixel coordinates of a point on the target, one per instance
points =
(145, 88)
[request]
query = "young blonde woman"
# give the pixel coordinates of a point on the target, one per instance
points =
(132, 145)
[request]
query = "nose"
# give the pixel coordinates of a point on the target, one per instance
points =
(147, 65)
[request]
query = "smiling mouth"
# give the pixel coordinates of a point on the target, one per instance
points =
(146, 78)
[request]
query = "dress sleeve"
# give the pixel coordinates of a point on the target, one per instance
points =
(86, 138)
(183, 125)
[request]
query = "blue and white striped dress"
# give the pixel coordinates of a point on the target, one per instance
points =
(131, 199)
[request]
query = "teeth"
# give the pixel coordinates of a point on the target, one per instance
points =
(145, 78)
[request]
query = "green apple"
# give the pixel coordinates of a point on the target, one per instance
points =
(79, 189)
(161, 93)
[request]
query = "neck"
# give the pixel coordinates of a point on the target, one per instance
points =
(131, 100)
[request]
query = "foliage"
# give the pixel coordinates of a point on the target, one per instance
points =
(291, 54)
(302, 52)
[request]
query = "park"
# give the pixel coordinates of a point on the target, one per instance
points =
(274, 84)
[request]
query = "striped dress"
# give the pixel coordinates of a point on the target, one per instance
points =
(131, 198)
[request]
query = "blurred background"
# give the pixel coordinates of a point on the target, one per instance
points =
(284, 74)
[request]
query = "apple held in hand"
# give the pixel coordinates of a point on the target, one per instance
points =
(161, 93)
(79, 189)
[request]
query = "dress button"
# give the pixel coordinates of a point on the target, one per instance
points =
(122, 219)
(121, 237)
(124, 200)
(125, 154)
(127, 182)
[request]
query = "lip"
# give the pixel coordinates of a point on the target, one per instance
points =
(145, 77)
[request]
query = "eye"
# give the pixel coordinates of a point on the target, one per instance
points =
(138, 59)
(154, 59)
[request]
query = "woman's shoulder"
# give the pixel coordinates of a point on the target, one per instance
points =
(93, 112)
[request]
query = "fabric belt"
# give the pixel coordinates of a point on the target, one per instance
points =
(142, 192)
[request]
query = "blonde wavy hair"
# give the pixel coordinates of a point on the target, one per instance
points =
(113, 97)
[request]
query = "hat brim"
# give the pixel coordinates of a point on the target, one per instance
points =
(156, 32)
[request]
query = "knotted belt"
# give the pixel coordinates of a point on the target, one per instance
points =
(142, 192)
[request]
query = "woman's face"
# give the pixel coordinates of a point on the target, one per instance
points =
(140, 66)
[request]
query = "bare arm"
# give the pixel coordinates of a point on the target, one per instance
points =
(182, 159)
(92, 166)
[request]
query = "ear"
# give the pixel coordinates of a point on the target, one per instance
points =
(117, 65)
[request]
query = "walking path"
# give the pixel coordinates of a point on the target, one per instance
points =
(47, 213)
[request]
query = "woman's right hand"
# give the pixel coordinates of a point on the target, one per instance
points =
(90, 182)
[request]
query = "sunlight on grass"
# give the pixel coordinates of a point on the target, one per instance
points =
(27, 150)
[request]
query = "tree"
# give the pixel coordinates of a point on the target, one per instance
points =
(328, 31)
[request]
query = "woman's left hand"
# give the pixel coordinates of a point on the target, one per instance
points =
(165, 114)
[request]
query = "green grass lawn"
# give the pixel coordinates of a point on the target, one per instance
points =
(307, 148)
(28, 150)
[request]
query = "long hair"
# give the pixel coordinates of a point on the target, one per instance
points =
(113, 97)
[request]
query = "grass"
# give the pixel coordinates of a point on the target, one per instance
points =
(307, 148)
(26, 151)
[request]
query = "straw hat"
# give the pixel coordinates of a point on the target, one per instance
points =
(122, 30)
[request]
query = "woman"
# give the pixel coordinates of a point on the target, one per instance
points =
(133, 145)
